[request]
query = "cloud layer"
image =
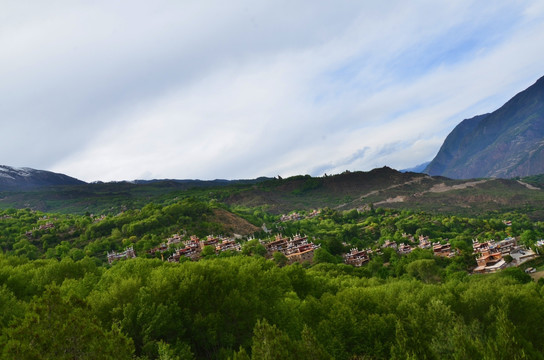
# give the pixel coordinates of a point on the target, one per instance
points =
(136, 89)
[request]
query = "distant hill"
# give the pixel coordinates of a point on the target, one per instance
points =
(506, 143)
(417, 169)
(110, 197)
(383, 187)
(203, 183)
(12, 178)
(388, 188)
(346, 190)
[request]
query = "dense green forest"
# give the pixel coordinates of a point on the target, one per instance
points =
(60, 299)
(247, 307)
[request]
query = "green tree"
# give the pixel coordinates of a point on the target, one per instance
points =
(208, 251)
(528, 237)
(323, 256)
(24, 248)
(425, 270)
(280, 259)
(335, 246)
(58, 329)
(507, 343)
(270, 343)
(253, 247)
(167, 352)
(9, 306)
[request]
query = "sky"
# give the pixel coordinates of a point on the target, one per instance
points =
(122, 90)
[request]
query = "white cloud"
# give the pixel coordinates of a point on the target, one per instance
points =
(121, 90)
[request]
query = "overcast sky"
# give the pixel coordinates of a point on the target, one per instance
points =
(113, 90)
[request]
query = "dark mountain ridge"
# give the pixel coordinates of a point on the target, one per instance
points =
(24, 178)
(203, 183)
(506, 143)
(383, 187)
(12, 178)
(388, 188)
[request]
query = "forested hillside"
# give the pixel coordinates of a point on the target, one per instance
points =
(247, 307)
(238, 199)
(61, 299)
(383, 187)
(34, 235)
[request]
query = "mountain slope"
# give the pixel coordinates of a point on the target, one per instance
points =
(306, 192)
(389, 188)
(12, 178)
(382, 187)
(506, 143)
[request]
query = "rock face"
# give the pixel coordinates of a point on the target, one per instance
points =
(12, 178)
(506, 143)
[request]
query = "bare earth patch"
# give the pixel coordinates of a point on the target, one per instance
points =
(234, 223)
(439, 188)
(537, 275)
(392, 200)
(528, 186)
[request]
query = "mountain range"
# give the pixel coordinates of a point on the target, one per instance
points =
(383, 187)
(506, 143)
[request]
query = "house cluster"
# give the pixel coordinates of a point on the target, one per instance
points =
(42, 227)
(443, 250)
(291, 217)
(97, 219)
(173, 240)
(296, 249)
(127, 254)
(191, 249)
(424, 243)
(490, 254)
(46, 226)
(360, 257)
(404, 249)
(357, 257)
(389, 244)
(296, 216)
(194, 246)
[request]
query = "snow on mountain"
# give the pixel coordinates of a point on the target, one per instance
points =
(23, 178)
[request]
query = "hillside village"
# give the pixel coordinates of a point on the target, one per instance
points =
(296, 249)
(490, 256)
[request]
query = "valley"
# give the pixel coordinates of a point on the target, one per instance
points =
(263, 180)
(265, 265)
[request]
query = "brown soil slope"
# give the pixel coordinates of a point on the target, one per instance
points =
(233, 223)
